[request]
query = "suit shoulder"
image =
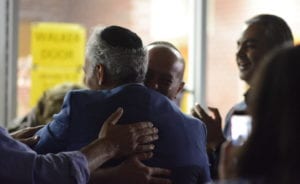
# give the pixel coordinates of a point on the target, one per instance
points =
(194, 120)
(82, 92)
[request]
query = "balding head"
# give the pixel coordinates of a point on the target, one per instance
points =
(165, 70)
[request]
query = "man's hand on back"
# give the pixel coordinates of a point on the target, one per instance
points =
(26, 135)
(129, 138)
(132, 171)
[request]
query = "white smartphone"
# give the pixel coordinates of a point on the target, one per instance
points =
(240, 128)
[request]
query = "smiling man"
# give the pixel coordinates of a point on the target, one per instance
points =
(263, 34)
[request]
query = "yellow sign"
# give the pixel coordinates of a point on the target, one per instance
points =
(58, 53)
(43, 79)
(57, 44)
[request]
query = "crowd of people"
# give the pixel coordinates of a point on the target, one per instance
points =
(127, 128)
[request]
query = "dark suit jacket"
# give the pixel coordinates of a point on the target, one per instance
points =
(182, 140)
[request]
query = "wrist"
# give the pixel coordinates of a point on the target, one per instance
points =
(110, 148)
(98, 152)
(213, 145)
(107, 175)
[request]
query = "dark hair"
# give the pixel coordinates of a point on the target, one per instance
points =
(117, 36)
(277, 31)
(271, 151)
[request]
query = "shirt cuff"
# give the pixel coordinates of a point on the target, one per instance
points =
(80, 169)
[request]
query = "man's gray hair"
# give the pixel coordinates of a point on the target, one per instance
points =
(122, 64)
(277, 31)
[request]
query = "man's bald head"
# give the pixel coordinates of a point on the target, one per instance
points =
(166, 69)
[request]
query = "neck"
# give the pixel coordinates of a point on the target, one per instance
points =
(110, 85)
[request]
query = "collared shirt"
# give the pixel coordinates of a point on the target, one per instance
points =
(240, 108)
(20, 164)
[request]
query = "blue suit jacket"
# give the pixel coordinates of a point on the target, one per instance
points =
(182, 140)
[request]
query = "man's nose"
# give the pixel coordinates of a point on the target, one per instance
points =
(240, 51)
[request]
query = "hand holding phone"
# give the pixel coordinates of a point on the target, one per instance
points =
(240, 128)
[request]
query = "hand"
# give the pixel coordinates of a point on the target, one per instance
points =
(118, 140)
(213, 124)
(228, 161)
(26, 135)
(131, 138)
(132, 171)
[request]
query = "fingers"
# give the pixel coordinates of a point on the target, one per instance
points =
(226, 146)
(31, 141)
(156, 175)
(32, 130)
(216, 113)
(156, 171)
(227, 152)
(111, 120)
(143, 156)
(145, 136)
(228, 160)
(141, 125)
(144, 132)
(26, 132)
(144, 148)
(114, 117)
(156, 180)
(201, 112)
(195, 114)
(147, 139)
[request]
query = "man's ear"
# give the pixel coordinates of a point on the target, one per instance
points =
(180, 88)
(100, 73)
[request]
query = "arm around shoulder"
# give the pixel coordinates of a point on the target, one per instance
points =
(53, 135)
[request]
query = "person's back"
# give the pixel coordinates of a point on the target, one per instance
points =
(181, 144)
(182, 140)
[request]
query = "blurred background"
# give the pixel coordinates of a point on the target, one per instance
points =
(42, 43)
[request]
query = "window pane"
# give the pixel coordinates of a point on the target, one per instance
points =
(148, 18)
